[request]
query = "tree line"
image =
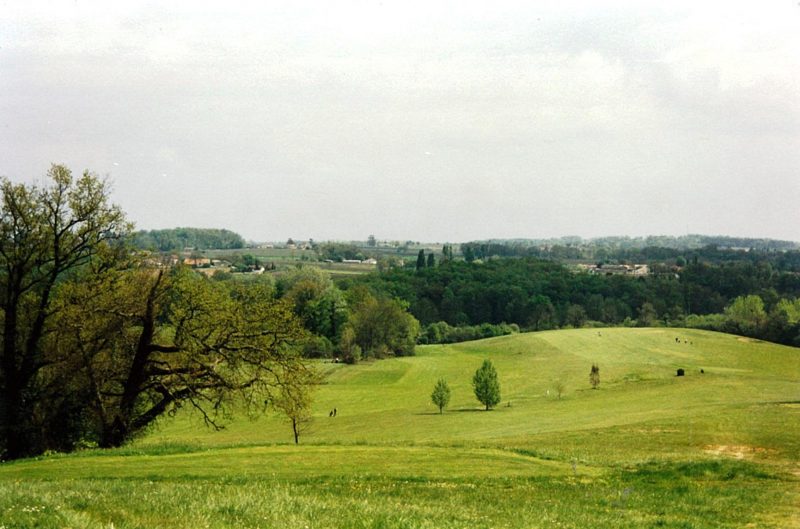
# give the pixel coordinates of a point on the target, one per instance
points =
(781, 255)
(537, 294)
(178, 239)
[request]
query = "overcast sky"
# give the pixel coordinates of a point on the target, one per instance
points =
(432, 121)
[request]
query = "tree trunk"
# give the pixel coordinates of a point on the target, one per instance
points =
(113, 435)
(294, 429)
(120, 428)
(136, 374)
(12, 437)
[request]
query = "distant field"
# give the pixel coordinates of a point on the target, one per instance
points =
(261, 253)
(646, 449)
(284, 259)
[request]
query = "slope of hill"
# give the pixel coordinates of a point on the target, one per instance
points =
(388, 401)
(715, 448)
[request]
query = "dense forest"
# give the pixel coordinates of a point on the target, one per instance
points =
(537, 294)
(178, 239)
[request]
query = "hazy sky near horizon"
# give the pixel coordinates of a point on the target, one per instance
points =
(433, 121)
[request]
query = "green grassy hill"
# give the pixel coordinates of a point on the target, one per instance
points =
(717, 448)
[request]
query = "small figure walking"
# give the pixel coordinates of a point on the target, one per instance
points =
(334, 412)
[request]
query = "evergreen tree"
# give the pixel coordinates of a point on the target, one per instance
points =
(441, 394)
(431, 261)
(486, 385)
(421, 260)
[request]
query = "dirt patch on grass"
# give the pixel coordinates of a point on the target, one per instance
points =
(656, 430)
(738, 451)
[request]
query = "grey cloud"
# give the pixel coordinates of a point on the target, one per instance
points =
(459, 123)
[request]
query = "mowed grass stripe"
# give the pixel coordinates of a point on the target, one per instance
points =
(290, 462)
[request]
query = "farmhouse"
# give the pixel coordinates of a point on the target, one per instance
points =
(618, 270)
(195, 262)
(369, 261)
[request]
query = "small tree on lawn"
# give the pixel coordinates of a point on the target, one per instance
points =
(560, 388)
(486, 385)
(441, 394)
(594, 376)
(293, 400)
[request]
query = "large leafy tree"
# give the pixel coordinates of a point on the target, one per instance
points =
(381, 325)
(96, 344)
(316, 300)
(486, 385)
(746, 315)
(46, 233)
(156, 340)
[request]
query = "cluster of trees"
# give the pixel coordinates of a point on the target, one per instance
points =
(247, 263)
(749, 315)
(351, 325)
(425, 262)
(537, 294)
(429, 260)
(338, 252)
(177, 239)
(485, 384)
(95, 345)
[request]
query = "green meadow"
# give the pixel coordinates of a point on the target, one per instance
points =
(718, 447)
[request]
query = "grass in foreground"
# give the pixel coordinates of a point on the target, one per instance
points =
(694, 495)
(647, 449)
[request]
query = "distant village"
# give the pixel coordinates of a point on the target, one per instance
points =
(616, 269)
